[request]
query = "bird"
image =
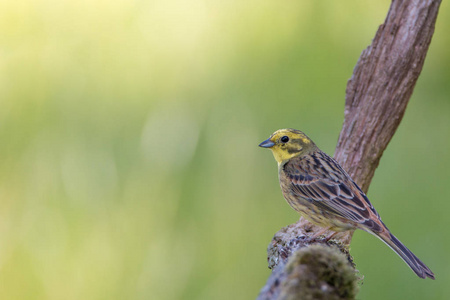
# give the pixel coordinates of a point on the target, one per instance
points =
(316, 186)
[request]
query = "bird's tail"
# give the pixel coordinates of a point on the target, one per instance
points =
(408, 257)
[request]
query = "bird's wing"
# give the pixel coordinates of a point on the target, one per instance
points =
(319, 179)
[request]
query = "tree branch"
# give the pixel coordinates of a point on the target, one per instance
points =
(381, 86)
(376, 98)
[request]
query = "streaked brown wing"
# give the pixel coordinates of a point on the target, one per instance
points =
(320, 180)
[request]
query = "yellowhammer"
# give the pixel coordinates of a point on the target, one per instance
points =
(316, 186)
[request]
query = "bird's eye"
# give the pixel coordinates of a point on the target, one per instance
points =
(284, 139)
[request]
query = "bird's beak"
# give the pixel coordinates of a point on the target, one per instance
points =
(267, 144)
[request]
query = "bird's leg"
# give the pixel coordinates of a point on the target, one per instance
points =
(320, 232)
(331, 236)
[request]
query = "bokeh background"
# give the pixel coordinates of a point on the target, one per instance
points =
(129, 166)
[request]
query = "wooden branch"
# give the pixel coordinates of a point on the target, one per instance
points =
(376, 98)
(381, 86)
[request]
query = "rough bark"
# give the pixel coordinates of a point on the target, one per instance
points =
(381, 86)
(376, 98)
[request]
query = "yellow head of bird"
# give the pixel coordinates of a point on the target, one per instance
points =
(288, 143)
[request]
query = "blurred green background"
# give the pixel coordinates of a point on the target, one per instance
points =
(129, 165)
